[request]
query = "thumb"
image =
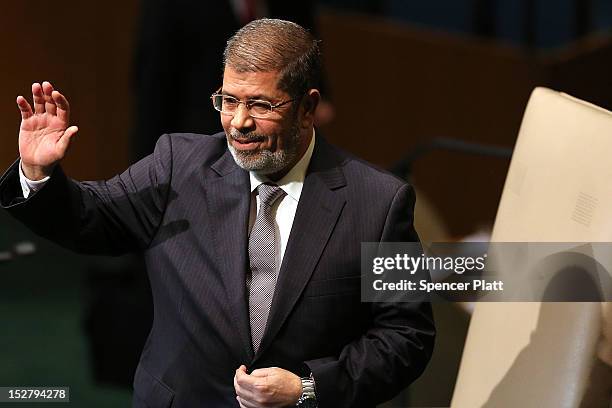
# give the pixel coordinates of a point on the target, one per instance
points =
(64, 141)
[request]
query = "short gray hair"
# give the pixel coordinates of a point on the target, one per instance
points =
(276, 45)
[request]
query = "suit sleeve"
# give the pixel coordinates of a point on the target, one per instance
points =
(393, 351)
(110, 217)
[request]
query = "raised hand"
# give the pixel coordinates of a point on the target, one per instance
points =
(44, 134)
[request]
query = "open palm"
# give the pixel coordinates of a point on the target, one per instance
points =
(44, 134)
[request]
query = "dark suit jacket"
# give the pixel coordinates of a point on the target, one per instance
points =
(186, 207)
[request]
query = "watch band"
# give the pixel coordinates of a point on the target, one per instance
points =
(308, 399)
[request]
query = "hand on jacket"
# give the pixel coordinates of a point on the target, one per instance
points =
(267, 387)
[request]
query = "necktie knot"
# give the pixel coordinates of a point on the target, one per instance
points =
(269, 193)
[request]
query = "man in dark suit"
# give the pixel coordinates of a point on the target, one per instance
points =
(251, 238)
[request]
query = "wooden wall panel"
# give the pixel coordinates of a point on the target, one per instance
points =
(85, 50)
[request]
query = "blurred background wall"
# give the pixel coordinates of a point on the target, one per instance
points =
(86, 50)
(432, 89)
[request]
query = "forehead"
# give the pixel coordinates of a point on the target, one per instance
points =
(251, 84)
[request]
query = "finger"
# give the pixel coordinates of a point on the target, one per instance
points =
(243, 393)
(248, 401)
(64, 141)
(245, 403)
(39, 98)
(24, 107)
(241, 374)
(245, 381)
(49, 103)
(241, 370)
(63, 107)
(236, 386)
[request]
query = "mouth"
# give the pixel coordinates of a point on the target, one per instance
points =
(247, 143)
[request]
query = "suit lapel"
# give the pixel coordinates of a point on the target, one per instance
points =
(229, 203)
(318, 210)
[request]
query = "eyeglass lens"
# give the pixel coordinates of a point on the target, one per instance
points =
(228, 104)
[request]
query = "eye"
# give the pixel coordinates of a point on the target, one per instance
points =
(229, 102)
(259, 107)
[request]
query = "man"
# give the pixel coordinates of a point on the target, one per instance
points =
(251, 237)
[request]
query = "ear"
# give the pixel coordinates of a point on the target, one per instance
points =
(309, 105)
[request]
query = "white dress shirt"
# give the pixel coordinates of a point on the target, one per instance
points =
(30, 186)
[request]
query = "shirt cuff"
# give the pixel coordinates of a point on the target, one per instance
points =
(30, 186)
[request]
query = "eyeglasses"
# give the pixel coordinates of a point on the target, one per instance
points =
(228, 105)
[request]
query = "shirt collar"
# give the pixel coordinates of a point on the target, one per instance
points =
(293, 181)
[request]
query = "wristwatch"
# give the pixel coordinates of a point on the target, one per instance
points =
(308, 399)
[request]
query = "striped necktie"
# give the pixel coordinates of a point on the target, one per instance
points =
(263, 260)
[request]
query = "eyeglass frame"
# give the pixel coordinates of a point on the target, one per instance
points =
(273, 106)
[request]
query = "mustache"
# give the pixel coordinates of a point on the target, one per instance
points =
(246, 137)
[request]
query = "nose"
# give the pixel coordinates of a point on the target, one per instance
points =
(242, 119)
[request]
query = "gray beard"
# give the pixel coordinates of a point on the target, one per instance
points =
(265, 162)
